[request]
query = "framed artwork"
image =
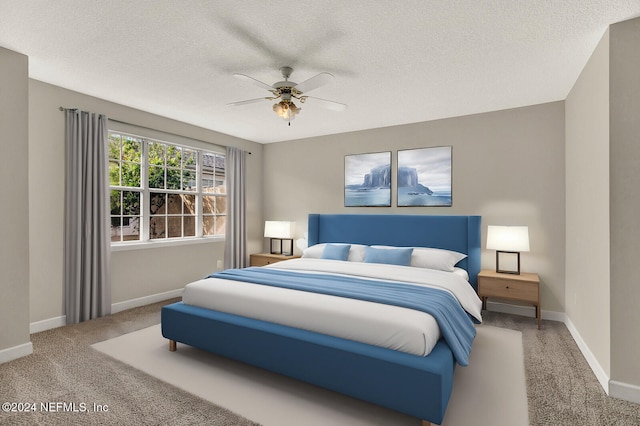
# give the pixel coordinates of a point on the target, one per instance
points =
(424, 177)
(367, 180)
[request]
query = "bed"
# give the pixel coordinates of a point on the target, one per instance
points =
(416, 385)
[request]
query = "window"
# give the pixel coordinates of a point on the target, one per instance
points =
(162, 191)
(125, 171)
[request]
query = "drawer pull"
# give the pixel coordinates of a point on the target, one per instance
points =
(507, 286)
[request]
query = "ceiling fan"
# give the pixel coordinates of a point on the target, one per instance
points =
(286, 91)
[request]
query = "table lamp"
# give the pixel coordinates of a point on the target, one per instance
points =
(278, 231)
(508, 239)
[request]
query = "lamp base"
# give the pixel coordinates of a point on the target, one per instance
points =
(280, 249)
(503, 271)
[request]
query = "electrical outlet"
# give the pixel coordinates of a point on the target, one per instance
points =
(219, 264)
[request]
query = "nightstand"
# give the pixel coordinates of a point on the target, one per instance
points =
(262, 259)
(524, 288)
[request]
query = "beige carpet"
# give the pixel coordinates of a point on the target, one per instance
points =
(491, 391)
(66, 372)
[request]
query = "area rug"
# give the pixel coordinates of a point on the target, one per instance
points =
(490, 391)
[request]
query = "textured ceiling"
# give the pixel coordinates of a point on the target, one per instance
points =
(394, 62)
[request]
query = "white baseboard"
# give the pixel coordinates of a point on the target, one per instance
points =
(38, 326)
(146, 300)
(597, 369)
(624, 391)
(15, 352)
(526, 311)
(505, 308)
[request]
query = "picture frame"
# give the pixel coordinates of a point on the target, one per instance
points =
(367, 180)
(424, 177)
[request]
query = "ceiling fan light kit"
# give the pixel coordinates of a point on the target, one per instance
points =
(286, 90)
(286, 109)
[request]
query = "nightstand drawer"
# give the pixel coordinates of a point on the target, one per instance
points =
(263, 259)
(257, 260)
(508, 289)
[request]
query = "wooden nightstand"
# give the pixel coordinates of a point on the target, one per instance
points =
(262, 259)
(524, 287)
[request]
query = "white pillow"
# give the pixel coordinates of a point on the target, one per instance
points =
(433, 258)
(314, 252)
(356, 252)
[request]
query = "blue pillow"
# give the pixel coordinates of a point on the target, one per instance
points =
(399, 256)
(336, 251)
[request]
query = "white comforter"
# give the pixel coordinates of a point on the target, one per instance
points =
(377, 324)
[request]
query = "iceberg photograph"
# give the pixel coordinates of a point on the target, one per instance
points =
(424, 177)
(367, 180)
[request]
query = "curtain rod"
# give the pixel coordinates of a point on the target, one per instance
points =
(61, 108)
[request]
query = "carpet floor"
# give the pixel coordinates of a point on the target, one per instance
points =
(491, 390)
(66, 375)
(561, 388)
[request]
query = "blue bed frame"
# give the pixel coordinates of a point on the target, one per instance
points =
(414, 385)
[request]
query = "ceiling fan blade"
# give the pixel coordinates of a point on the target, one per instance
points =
(248, 101)
(315, 82)
(253, 81)
(258, 43)
(332, 105)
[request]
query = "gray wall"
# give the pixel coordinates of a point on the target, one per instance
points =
(603, 171)
(14, 193)
(508, 166)
(135, 273)
(587, 170)
(625, 201)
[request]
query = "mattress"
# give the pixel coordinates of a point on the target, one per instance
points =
(387, 326)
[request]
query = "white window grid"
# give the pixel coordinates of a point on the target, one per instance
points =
(145, 192)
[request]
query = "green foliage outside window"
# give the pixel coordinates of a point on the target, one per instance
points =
(124, 170)
(170, 168)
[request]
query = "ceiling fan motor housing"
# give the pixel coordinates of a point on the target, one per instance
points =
(285, 93)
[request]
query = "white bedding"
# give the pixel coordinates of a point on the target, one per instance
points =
(387, 326)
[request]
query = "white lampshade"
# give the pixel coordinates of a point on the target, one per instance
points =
(278, 229)
(508, 238)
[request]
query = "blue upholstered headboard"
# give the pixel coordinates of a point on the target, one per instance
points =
(459, 233)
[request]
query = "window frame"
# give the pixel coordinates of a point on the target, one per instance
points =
(145, 240)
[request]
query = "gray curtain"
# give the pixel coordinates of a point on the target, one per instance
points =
(235, 250)
(87, 251)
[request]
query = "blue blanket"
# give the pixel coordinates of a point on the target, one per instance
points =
(455, 325)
